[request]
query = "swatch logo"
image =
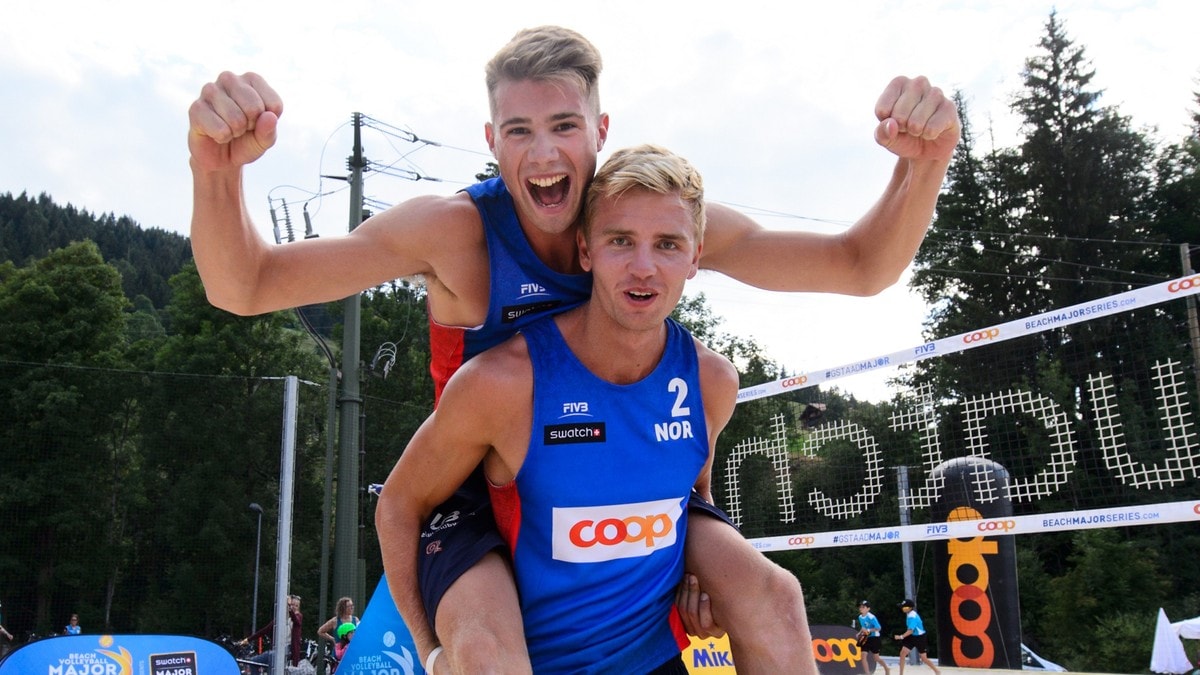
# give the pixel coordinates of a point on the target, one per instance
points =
(580, 432)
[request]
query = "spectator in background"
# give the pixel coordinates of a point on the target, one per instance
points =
(914, 638)
(343, 613)
(295, 620)
(869, 627)
(73, 626)
(344, 633)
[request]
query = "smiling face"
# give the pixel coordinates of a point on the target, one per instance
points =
(641, 248)
(545, 135)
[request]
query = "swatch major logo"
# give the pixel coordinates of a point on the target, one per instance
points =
(120, 655)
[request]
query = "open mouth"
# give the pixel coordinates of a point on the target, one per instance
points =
(551, 191)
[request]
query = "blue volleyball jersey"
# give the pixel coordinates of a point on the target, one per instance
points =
(522, 288)
(914, 623)
(870, 623)
(596, 515)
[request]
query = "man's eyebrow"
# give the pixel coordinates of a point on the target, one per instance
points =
(556, 117)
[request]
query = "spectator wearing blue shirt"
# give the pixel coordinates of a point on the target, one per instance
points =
(869, 627)
(915, 637)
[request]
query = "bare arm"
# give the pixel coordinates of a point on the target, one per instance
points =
(232, 124)
(326, 630)
(918, 124)
(482, 404)
(719, 386)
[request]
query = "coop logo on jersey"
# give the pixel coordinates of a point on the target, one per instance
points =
(601, 533)
(510, 313)
(577, 432)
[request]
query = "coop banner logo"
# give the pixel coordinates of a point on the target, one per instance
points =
(1183, 284)
(835, 650)
(381, 644)
(981, 335)
(120, 655)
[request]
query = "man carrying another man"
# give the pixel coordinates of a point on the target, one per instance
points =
(477, 248)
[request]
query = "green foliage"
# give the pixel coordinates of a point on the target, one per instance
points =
(1108, 577)
(146, 258)
(64, 314)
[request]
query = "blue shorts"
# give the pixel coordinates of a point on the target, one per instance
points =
(696, 504)
(458, 534)
(462, 530)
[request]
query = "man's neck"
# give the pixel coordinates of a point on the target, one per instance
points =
(558, 251)
(611, 352)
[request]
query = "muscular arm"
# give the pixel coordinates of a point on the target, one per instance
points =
(918, 124)
(245, 275)
(719, 387)
(232, 124)
(481, 407)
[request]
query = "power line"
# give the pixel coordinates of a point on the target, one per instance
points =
(1154, 278)
(1035, 277)
(1049, 237)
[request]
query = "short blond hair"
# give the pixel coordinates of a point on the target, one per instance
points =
(652, 168)
(547, 53)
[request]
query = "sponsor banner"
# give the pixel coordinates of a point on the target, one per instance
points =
(978, 612)
(381, 644)
(120, 655)
(836, 651)
(709, 657)
(1084, 311)
(1119, 516)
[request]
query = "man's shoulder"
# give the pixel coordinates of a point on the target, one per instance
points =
(505, 365)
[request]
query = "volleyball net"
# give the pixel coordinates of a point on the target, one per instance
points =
(1089, 409)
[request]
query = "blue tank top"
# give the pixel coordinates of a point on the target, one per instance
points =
(522, 288)
(596, 515)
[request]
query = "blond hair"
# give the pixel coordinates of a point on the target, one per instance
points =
(652, 168)
(547, 53)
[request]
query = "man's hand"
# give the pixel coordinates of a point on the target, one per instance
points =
(916, 120)
(233, 122)
(695, 609)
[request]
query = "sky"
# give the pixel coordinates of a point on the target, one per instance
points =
(773, 103)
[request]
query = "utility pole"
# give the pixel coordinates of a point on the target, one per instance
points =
(346, 563)
(906, 554)
(1185, 257)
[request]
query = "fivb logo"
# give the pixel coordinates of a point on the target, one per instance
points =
(575, 409)
(532, 290)
(601, 533)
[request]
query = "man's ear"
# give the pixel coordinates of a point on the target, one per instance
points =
(489, 133)
(601, 131)
(585, 255)
(696, 260)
